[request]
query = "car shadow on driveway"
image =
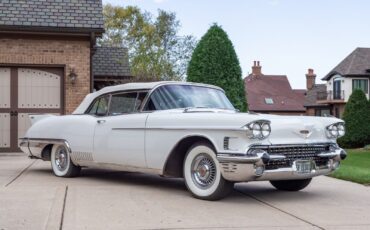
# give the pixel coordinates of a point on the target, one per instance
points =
(265, 191)
(252, 190)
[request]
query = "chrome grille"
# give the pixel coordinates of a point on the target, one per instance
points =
(295, 152)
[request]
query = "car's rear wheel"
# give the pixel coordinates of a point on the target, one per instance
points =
(61, 162)
(202, 173)
(291, 185)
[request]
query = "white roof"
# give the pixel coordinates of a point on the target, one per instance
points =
(130, 86)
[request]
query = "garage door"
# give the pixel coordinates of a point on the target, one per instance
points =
(25, 91)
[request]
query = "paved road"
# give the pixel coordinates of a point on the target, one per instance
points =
(32, 198)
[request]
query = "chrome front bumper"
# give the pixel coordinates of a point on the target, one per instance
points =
(251, 167)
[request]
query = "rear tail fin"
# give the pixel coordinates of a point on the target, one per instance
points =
(37, 117)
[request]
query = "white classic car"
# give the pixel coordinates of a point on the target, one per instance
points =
(186, 130)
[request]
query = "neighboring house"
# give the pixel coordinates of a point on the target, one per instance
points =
(46, 52)
(272, 94)
(351, 73)
(315, 91)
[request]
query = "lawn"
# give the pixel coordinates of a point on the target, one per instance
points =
(356, 167)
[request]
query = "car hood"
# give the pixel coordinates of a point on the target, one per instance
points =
(299, 129)
(284, 129)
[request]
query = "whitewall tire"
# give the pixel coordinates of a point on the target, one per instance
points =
(61, 162)
(202, 173)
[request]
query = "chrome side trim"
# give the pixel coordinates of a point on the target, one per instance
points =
(182, 128)
(118, 167)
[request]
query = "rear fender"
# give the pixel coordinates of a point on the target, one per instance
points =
(38, 117)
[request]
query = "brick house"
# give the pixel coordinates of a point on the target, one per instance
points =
(272, 93)
(353, 72)
(46, 60)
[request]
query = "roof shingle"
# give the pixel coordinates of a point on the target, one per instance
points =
(86, 14)
(276, 87)
(356, 63)
(111, 62)
(311, 95)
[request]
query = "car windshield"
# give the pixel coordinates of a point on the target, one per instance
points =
(187, 96)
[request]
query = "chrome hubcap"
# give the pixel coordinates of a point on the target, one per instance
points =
(61, 158)
(203, 171)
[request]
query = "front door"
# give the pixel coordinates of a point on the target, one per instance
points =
(25, 91)
(120, 140)
(119, 136)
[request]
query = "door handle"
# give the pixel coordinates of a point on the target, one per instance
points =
(101, 121)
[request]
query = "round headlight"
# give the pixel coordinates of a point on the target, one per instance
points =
(259, 129)
(256, 130)
(341, 130)
(266, 130)
(334, 130)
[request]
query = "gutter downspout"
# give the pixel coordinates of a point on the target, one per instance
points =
(92, 51)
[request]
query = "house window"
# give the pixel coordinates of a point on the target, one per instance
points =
(337, 89)
(362, 84)
(269, 101)
(322, 112)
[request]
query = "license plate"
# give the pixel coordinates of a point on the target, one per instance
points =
(303, 166)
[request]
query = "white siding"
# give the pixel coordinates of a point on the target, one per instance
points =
(346, 85)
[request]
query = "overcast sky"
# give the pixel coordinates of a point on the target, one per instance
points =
(286, 36)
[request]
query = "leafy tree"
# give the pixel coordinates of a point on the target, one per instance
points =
(357, 117)
(214, 61)
(156, 50)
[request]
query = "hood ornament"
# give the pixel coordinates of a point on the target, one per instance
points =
(305, 133)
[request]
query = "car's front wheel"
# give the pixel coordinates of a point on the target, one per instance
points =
(61, 162)
(202, 173)
(291, 185)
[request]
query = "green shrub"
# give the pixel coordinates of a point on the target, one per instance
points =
(215, 62)
(357, 117)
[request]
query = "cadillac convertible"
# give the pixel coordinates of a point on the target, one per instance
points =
(186, 130)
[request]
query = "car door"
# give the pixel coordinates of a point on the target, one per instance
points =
(119, 136)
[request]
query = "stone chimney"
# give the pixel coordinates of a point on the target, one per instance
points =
(256, 68)
(310, 79)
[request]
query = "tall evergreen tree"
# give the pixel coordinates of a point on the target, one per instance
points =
(357, 117)
(215, 62)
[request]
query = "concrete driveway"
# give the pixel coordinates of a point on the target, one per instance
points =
(31, 197)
